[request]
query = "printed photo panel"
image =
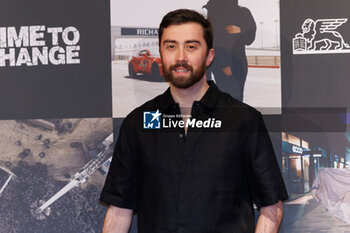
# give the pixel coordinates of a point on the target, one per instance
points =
(52, 172)
(246, 41)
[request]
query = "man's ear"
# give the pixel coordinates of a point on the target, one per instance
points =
(210, 57)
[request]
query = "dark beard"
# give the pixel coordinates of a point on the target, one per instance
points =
(184, 82)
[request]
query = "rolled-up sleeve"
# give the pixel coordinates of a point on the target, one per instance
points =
(267, 180)
(120, 188)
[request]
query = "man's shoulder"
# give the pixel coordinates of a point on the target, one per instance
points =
(226, 101)
(244, 10)
(236, 114)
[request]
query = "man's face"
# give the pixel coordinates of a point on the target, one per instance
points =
(184, 54)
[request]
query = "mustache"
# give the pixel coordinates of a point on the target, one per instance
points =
(181, 64)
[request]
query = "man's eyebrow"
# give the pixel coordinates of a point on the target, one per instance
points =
(169, 41)
(187, 41)
(192, 41)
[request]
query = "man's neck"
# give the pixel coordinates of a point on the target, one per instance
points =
(186, 97)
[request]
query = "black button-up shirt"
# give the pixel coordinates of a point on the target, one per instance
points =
(202, 182)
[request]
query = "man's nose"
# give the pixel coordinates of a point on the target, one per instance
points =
(181, 55)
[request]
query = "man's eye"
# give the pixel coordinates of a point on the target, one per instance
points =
(170, 46)
(191, 47)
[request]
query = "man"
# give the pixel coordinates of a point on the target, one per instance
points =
(192, 179)
(234, 29)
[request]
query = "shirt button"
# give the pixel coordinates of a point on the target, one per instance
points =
(181, 135)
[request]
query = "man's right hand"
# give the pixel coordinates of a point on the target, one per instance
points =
(233, 29)
(117, 220)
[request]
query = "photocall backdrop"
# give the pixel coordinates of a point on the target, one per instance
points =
(56, 124)
(66, 84)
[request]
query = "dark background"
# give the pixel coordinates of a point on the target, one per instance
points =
(50, 91)
(317, 80)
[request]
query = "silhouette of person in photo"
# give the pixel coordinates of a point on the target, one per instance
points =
(234, 28)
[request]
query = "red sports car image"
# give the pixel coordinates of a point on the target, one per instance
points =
(146, 64)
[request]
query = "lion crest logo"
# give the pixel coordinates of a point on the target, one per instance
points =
(320, 36)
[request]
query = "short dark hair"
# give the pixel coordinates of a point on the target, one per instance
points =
(182, 16)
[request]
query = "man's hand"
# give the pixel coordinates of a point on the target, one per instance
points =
(270, 218)
(233, 29)
(117, 220)
(227, 71)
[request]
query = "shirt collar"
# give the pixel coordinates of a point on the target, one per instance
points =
(211, 95)
(166, 100)
(208, 100)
